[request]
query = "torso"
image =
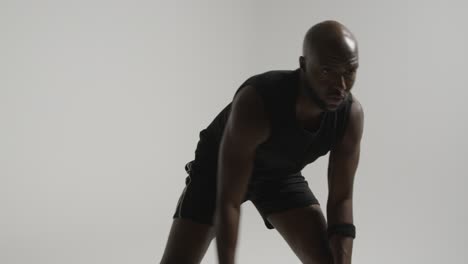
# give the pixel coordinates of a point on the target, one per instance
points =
(309, 124)
(295, 140)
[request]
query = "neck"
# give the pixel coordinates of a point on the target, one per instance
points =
(306, 109)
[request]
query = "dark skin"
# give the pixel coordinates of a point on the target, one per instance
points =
(328, 69)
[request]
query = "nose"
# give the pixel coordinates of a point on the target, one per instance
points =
(342, 83)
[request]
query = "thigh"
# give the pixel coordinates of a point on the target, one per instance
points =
(279, 194)
(188, 242)
(192, 228)
(197, 201)
(304, 229)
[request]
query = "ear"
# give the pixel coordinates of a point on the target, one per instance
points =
(302, 63)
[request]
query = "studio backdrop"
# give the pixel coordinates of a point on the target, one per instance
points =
(101, 103)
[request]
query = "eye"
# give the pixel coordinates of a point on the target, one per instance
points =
(350, 72)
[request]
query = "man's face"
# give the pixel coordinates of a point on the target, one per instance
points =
(329, 78)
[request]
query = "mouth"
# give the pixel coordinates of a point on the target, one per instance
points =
(336, 100)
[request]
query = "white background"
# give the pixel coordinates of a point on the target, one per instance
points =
(101, 103)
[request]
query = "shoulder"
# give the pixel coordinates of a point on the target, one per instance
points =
(260, 89)
(353, 131)
(354, 128)
(276, 77)
(356, 113)
(269, 77)
(247, 98)
(248, 117)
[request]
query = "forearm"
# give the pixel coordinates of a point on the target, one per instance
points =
(233, 181)
(227, 223)
(341, 246)
(341, 249)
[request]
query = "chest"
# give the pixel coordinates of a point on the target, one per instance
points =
(294, 148)
(310, 126)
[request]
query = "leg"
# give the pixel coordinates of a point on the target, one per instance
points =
(192, 229)
(187, 242)
(304, 229)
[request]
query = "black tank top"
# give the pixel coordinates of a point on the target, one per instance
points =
(290, 147)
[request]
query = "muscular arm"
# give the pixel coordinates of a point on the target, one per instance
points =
(245, 129)
(343, 163)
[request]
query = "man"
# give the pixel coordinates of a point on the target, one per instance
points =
(255, 149)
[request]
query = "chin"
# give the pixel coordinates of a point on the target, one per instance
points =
(333, 107)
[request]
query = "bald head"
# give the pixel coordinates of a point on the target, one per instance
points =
(329, 36)
(329, 64)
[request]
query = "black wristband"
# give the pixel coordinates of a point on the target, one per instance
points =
(344, 229)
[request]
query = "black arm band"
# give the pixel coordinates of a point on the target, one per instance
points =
(348, 230)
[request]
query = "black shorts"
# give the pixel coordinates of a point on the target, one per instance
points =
(198, 199)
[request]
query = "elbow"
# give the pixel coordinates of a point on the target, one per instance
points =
(226, 209)
(226, 217)
(342, 203)
(338, 200)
